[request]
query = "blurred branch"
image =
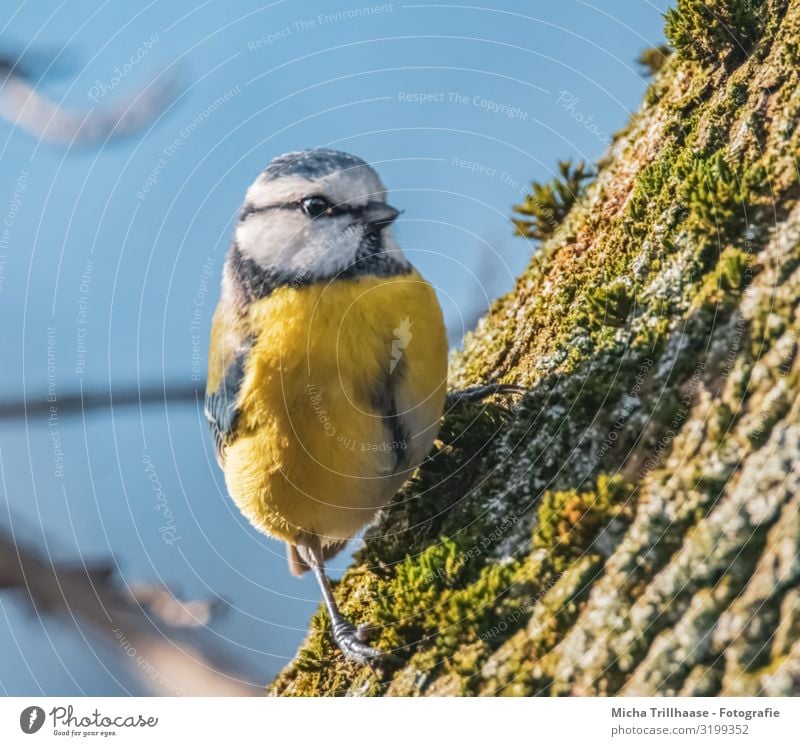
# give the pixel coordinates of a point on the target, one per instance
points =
(23, 106)
(83, 401)
(172, 661)
(162, 602)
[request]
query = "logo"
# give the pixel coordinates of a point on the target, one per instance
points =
(402, 336)
(31, 719)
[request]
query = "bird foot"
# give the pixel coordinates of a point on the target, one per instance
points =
(351, 642)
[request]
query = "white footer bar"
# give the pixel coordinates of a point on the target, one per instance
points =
(386, 722)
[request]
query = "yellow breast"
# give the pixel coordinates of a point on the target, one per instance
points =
(341, 399)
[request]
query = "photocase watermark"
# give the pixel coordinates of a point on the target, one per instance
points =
(785, 368)
(510, 620)
(52, 405)
(463, 99)
(31, 719)
(144, 665)
(354, 231)
(476, 550)
(100, 89)
(14, 206)
(677, 420)
(322, 19)
(628, 405)
(741, 327)
(9, 219)
(569, 102)
(183, 134)
(81, 317)
(522, 188)
(206, 273)
(491, 172)
(734, 345)
(317, 405)
(168, 531)
(79, 725)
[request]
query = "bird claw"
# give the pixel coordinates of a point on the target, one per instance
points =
(351, 642)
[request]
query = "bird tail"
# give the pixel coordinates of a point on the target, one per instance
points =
(297, 565)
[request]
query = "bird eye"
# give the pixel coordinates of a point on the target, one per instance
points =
(315, 206)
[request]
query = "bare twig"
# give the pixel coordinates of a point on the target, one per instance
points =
(170, 660)
(76, 402)
(23, 106)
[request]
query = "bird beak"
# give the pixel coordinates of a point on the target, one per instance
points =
(379, 214)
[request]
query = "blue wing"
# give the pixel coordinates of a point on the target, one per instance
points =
(220, 406)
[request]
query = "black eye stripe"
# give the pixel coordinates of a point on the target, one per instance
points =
(249, 210)
(333, 210)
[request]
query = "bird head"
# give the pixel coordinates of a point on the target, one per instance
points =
(316, 214)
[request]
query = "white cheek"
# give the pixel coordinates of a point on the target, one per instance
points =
(289, 244)
(268, 241)
(331, 246)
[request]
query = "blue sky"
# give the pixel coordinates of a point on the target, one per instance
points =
(118, 250)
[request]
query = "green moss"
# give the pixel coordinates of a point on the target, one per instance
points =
(717, 196)
(524, 665)
(713, 30)
(611, 304)
(446, 609)
(569, 521)
(652, 59)
(722, 287)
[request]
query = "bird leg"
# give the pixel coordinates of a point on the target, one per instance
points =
(345, 634)
(479, 393)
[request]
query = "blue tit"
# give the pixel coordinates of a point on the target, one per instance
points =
(327, 364)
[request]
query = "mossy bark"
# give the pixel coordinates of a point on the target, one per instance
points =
(634, 527)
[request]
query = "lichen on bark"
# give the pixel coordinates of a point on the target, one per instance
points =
(633, 528)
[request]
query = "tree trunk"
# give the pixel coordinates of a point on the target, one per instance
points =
(634, 528)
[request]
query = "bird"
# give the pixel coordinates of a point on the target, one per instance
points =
(327, 362)
(327, 365)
